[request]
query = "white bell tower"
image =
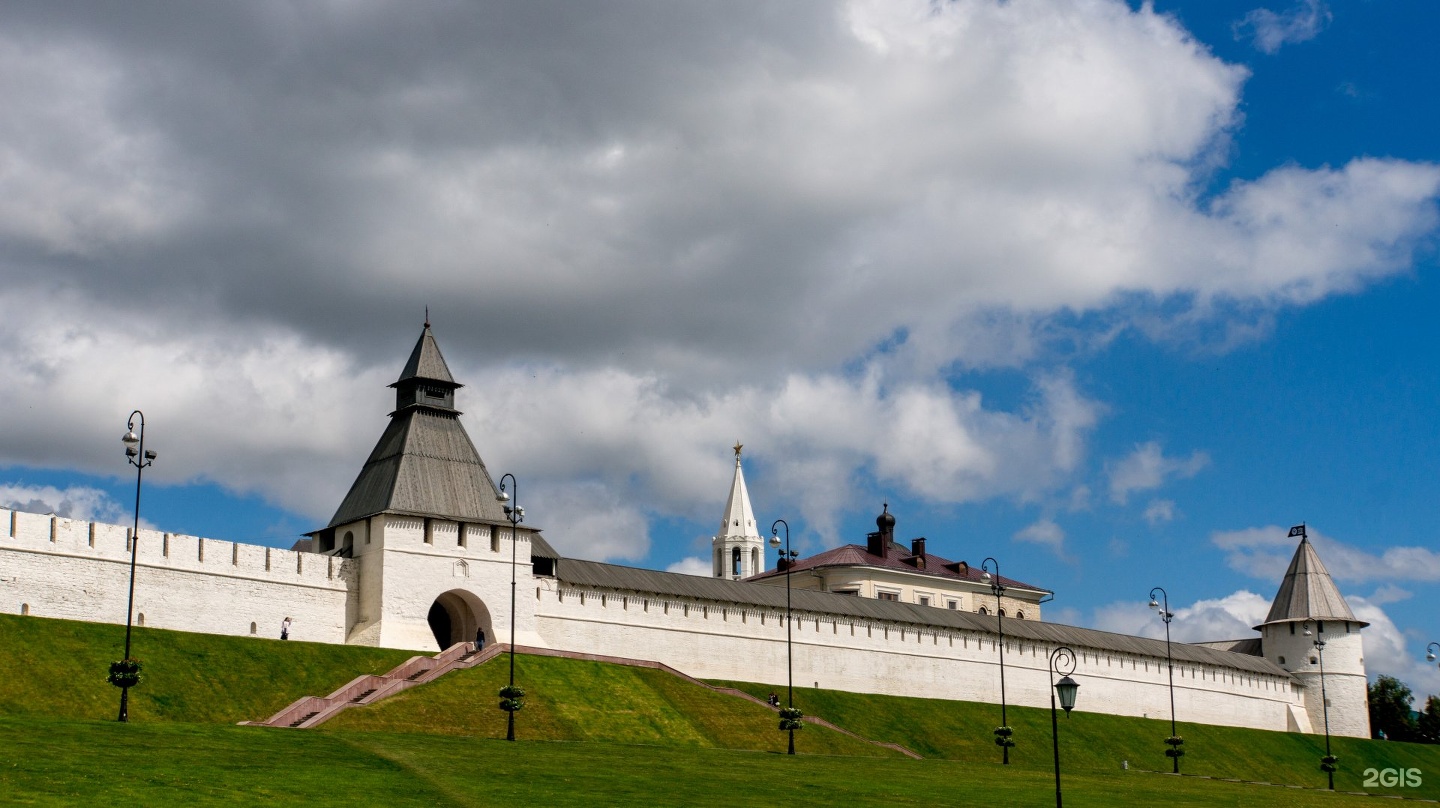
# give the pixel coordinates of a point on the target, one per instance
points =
(738, 549)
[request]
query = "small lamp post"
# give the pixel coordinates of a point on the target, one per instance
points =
(139, 457)
(1430, 651)
(1163, 607)
(791, 718)
(1002, 732)
(1062, 661)
(511, 696)
(1327, 763)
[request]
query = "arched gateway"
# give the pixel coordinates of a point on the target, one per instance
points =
(456, 616)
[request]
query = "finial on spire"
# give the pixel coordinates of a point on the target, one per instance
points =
(427, 316)
(738, 447)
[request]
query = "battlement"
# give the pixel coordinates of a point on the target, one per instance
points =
(57, 535)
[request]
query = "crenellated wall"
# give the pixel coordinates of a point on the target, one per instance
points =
(716, 640)
(57, 567)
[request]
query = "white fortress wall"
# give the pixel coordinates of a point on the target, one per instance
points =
(56, 567)
(726, 641)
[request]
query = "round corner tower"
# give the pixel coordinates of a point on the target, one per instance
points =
(1309, 628)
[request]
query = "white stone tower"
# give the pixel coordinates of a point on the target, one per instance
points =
(1309, 602)
(738, 549)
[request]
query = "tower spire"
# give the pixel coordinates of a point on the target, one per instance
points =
(739, 549)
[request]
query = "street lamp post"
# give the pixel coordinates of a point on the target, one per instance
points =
(511, 696)
(1061, 657)
(1327, 763)
(787, 556)
(1430, 651)
(139, 457)
(1002, 732)
(1163, 606)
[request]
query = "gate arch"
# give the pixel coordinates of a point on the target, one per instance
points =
(456, 616)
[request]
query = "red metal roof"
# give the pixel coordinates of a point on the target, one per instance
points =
(899, 557)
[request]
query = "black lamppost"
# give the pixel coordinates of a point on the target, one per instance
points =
(1163, 606)
(1430, 651)
(139, 457)
(1061, 657)
(787, 557)
(510, 696)
(1002, 732)
(1327, 763)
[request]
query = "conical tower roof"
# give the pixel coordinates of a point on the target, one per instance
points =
(1308, 592)
(424, 464)
(739, 518)
(426, 362)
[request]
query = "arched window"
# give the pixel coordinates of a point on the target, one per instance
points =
(140, 621)
(984, 610)
(1002, 612)
(253, 629)
(1020, 615)
(719, 562)
(24, 608)
(735, 561)
(754, 559)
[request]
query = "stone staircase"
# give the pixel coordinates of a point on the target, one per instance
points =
(312, 711)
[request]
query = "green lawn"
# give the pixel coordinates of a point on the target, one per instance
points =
(67, 762)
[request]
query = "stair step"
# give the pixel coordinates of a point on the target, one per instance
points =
(416, 675)
(307, 717)
(362, 696)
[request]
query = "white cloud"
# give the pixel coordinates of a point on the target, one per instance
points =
(587, 520)
(1160, 511)
(1044, 532)
(1232, 617)
(1148, 468)
(647, 248)
(1389, 593)
(692, 566)
(1269, 31)
(75, 502)
(1265, 552)
(1389, 652)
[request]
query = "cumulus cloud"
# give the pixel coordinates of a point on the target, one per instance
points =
(589, 521)
(1148, 468)
(692, 566)
(1265, 552)
(1160, 511)
(1231, 617)
(1269, 31)
(644, 231)
(1044, 532)
(74, 502)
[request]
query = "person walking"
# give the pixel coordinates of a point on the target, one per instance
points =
(480, 640)
(285, 629)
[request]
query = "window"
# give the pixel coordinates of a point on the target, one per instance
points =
(888, 595)
(24, 608)
(1020, 615)
(735, 561)
(983, 610)
(950, 604)
(1002, 612)
(1282, 660)
(253, 629)
(924, 600)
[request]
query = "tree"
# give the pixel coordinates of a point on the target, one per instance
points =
(1390, 709)
(1430, 721)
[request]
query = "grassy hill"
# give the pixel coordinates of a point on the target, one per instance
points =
(57, 668)
(610, 733)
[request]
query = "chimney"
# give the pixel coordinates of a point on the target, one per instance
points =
(879, 542)
(917, 547)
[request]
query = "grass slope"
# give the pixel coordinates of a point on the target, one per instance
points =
(1097, 743)
(66, 762)
(57, 668)
(576, 700)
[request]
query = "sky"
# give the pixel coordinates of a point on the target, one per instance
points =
(1113, 292)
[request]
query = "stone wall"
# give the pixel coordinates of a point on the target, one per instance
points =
(56, 567)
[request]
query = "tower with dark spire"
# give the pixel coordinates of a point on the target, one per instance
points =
(424, 521)
(1309, 607)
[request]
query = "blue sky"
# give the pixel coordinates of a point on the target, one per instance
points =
(1114, 293)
